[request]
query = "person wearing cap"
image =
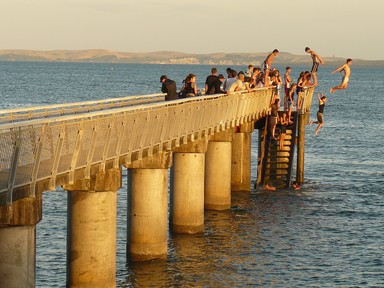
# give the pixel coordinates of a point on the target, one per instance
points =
(169, 87)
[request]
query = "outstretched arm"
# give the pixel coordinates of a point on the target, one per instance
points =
(339, 69)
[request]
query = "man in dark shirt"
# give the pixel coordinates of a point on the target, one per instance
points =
(209, 87)
(217, 85)
(169, 87)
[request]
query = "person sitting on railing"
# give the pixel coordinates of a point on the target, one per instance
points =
(168, 86)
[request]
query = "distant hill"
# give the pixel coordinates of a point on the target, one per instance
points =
(166, 57)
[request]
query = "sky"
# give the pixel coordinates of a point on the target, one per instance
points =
(340, 28)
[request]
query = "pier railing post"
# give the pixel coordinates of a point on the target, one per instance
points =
(91, 239)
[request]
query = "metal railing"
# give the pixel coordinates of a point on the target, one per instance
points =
(48, 111)
(41, 149)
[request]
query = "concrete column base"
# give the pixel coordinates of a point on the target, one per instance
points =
(218, 176)
(241, 162)
(91, 239)
(17, 256)
(188, 193)
(147, 214)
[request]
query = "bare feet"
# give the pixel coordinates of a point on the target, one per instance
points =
(331, 90)
(269, 187)
(310, 123)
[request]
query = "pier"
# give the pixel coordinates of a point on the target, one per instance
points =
(205, 142)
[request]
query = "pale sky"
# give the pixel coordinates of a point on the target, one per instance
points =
(341, 28)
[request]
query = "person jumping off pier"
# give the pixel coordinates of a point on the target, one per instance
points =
(320, 118)
(345, 80)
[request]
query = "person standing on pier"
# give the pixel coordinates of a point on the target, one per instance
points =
(345, 80)
(249, 72)
(274, 117)
(217, 83)
(287, 85)
(316, 59)
(209, 82)
(168, 86)
(267, 65)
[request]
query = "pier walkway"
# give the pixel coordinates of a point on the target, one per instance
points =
(82, 147)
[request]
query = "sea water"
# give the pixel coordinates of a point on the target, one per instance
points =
(327, 234)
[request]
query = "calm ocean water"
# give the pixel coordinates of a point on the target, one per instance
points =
(328, 234)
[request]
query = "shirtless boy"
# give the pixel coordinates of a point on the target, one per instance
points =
(267, 65)
(345, 80)
(316, 59)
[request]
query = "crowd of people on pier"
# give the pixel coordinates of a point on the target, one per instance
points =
(265, 76)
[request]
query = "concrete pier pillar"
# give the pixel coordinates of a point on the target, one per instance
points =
(18, 241)
(187, 205)
(241, 157)
(91, 239)
(148, 207)
(218, 171)
(17, 256)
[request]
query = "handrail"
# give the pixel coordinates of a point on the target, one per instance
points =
(47, 148)
(47, 111)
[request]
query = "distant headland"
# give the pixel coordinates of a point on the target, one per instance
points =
(168, 57)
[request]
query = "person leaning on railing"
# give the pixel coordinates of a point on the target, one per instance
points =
(168, 86)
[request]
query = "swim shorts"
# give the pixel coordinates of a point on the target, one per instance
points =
(315, 66)
(320, 117)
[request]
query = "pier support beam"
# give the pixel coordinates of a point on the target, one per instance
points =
(148, 207)
(241, 157)
(91, 239)
(188, 187)
(218, 171)
(303, 118)
(18, 242)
